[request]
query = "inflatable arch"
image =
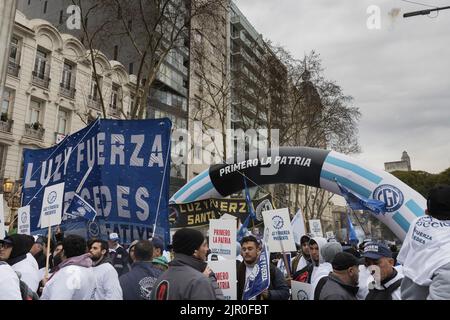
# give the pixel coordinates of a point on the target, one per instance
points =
(313, 167)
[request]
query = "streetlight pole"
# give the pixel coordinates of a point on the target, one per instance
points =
(423, 12)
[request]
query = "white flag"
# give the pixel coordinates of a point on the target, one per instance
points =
(298, 226)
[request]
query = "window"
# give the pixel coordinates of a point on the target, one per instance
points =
(115, 96)
(35, 112)
(40, 64)
(45, 6)
(7, 101)
(130, 68)
(116, 52)
(67, 76)
(95, 92)
(3, 149)
(13, 51)
(63, 117)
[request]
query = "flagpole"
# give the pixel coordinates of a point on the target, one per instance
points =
(47, 258)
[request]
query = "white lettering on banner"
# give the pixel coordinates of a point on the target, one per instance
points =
(286, 160)
(102, 201)
(92, 154)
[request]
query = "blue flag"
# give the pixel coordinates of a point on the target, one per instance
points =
(360, 203)
(80, 208)
(351, 231)
(259, 279)
(243, 230)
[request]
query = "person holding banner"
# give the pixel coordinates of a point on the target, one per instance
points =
(15, 251)
(74, 278)
(425, 253)
(188, 276)
(250, 251)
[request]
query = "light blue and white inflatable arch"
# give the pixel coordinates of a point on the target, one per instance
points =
(316, 168)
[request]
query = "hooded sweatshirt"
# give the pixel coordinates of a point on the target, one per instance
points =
(107, 281)
(425, 255)
(309, 273)
(137, 284)
(74, 279)
(23, 262)
(328, 251)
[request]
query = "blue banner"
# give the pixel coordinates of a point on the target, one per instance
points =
(80, 208)
(259, 279)
(352, 237)
(128, 186)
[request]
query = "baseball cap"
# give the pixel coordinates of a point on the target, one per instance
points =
(344, 260)
(6, 240)
(438, 201)
(376, 250)
(157, 243)
(114, 236)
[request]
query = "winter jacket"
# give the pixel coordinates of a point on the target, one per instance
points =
(335, 289)
(439, 289)
(389, 289)
(107, 281)
(309, 273)
(138, 283)
(9, 283)
(184, 280)
(73, 279)
(26, 265)
(278, 288)
(119, 257)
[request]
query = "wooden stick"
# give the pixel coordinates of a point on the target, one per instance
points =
(48, 252)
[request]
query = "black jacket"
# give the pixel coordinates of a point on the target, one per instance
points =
(137, 284)
(278, 288)
(119, 259)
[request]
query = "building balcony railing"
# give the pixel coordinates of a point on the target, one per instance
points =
(67, 92)
(34, 130)
(93, 103)
(13, 68)
(6, 125)
(41, 79)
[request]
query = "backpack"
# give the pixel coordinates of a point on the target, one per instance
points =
(375, 294)
(26, 292)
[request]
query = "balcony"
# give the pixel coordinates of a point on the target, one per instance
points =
(34, 131)
(67, 91)
(6, 125)
(41, 79)
(93, 103)
(13, 69)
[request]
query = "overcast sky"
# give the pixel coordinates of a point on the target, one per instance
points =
(398, 75)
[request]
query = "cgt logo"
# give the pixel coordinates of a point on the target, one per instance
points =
(390, 195)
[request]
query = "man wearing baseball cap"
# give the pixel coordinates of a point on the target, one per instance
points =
(425, 253)
(342, 283)
(118, 254)
(388, 280)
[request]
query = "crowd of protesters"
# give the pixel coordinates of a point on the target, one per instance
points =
(105, 270)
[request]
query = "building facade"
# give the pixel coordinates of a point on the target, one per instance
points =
(50, 92)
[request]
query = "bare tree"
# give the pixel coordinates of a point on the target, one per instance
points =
(146, 30)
